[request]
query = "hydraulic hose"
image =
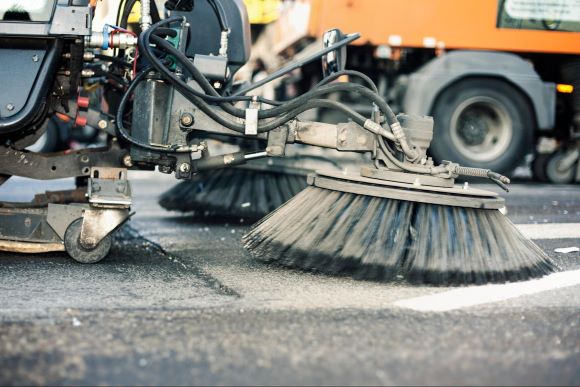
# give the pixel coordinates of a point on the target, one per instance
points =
(267, 113)
(273, 112)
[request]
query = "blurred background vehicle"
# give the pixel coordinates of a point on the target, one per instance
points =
(500, 76)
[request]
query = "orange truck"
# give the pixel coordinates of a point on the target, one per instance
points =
(497, 75)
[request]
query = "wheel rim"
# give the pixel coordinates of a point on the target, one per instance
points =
(555, 174)
(481, 129)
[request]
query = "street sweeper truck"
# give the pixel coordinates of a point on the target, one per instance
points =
(167, 87)
(500, 77)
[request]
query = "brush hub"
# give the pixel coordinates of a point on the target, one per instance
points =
(457, 196)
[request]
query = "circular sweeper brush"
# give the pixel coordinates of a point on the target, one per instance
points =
(375, 229)
(247, 191)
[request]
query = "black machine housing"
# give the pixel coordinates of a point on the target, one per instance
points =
(34, 76)
(205, 31)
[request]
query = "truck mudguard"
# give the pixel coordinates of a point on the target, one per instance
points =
(429, 81)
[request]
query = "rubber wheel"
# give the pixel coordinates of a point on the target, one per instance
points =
(483, 123)
(539, 166)
(557, 176)
(78, 252)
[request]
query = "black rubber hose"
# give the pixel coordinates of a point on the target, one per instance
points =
(155, 15)
(206, 86)
(127, 7)
(117, 21)
(269, 113)
(129, 4)
(114, 59)
(240, 113)
(195, 73)
(220, 14)
(339, 74)
(312, 104)
(162, 31)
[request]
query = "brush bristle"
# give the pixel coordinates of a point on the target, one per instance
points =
(233, 192)
(377, 238)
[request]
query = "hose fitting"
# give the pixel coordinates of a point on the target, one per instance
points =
(372, 126)
(498, 179)
(146, 20)
(224, 41)
(399, 134)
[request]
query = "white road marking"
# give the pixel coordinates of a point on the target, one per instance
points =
(550, 230)
(476, 295)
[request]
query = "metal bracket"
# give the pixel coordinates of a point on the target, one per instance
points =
(109, 187)
(277, 139)
(60, 216)
(353, 137)
(69, 20)
(251, 122)
(98, 223)
(406, 177)
(58, 165)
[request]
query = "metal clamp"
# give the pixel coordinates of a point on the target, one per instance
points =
(109, 187)
(251, 122)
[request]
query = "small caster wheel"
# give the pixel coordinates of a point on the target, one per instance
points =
(539, 167)
(555, 174)
(78, 252)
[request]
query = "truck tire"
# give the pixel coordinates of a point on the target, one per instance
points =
(555, 174)
(483, 123)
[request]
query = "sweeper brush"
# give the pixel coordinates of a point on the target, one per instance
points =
(252, 190)
(382, 230)
(243, 192)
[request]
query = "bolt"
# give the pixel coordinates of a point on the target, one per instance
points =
(88, 56)
(217, 85)
(127, 161)
(121, 186)
(102, 124)
(10, 107)
(184, 168)
(35, 58)
(187, 119)
(164, 169)
(90, 242)
(96, 187)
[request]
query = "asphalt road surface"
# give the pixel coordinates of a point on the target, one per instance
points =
(180, 302)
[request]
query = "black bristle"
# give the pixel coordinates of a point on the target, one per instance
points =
(233, 193)
(377, 238)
